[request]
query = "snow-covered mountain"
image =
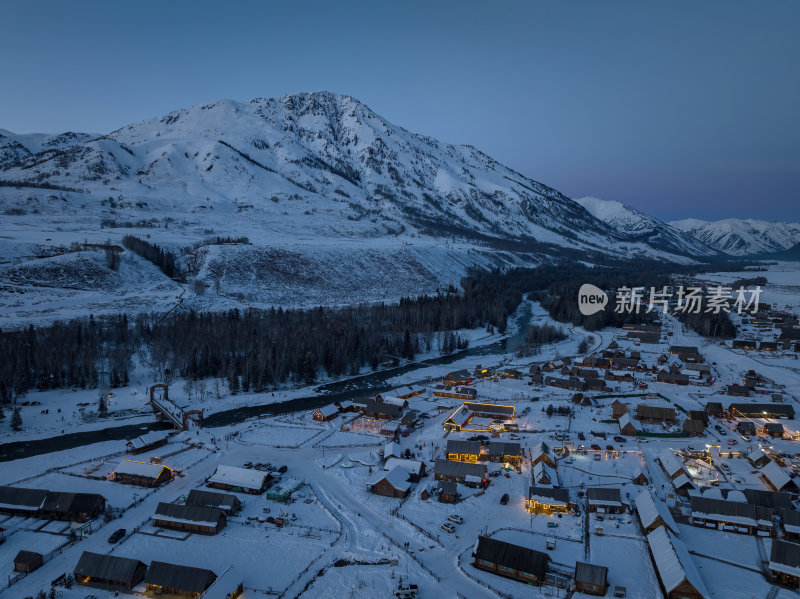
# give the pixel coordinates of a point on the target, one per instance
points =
(339, 206)
(306, 164)
(636, 225)
(742, 237)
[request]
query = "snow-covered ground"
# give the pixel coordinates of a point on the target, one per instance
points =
(341, 540)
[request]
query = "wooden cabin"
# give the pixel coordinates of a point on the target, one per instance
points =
(142, 474)
(189, 518)
(28, 561)
(511, 561)
(164, 578)
(108, 571)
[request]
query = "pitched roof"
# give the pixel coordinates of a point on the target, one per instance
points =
(147, 439)
(448, 487)
(397, 477)
(238, 477)
(28, 557)
(107, 567)
(21, 498)
(603, 495)
(785, 557)
(142, 469)
(196, 514)
(591, 574)
(183, 578)
(670, 462)
(485, 408)
(512, 556)
(448, 468)
(768, 499)
(673, 563)
(502, 448)
(222, 501)
(777, 476)
(387, 409)
(663, 412)
(650, 509)
(463, 446)
(328, 411)
(72, 503)
(410, 466)
(734, 512)
(549, 494)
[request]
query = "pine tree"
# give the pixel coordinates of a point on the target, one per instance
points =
(102, 408)
(16, 419)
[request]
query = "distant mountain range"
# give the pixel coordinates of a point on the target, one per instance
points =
(734, 237)
(742, 237)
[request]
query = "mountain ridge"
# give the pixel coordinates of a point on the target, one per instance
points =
(320, 163)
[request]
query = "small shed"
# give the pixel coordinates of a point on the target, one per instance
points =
(591, 579)
(28, 561)
(447, 492)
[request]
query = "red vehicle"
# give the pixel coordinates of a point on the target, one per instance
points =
(595, 446)
(405, 433)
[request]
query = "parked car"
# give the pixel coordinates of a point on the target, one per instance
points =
(581, 437)
(447, 527)
(619, 439)
(504, 499)
(745, 437)
(513, 437)
(595, 446)
(118, 534)
(610, 447)
(456, 519)
(283, 469)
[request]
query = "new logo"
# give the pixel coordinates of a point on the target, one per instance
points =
(591, 299)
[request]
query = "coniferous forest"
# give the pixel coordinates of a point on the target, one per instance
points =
(258, 349)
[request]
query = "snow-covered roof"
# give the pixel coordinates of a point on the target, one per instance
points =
(785, 557)
(682, 481)
(139, 469)
(650, 508)
(541, 449)
(541, 469)
(736, 496)
(670, 462)
(673, 562)
(756, 455)
(328, 411)
(147, 439)
(408, 465)
(625, 420)
(391, 449)
(777, 476)
(397, 477)
(238, 477)
(397, 401)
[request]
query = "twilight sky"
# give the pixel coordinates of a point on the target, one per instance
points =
(679, 109)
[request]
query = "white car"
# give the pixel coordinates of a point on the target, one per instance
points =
(455, 518)
(447, 527)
